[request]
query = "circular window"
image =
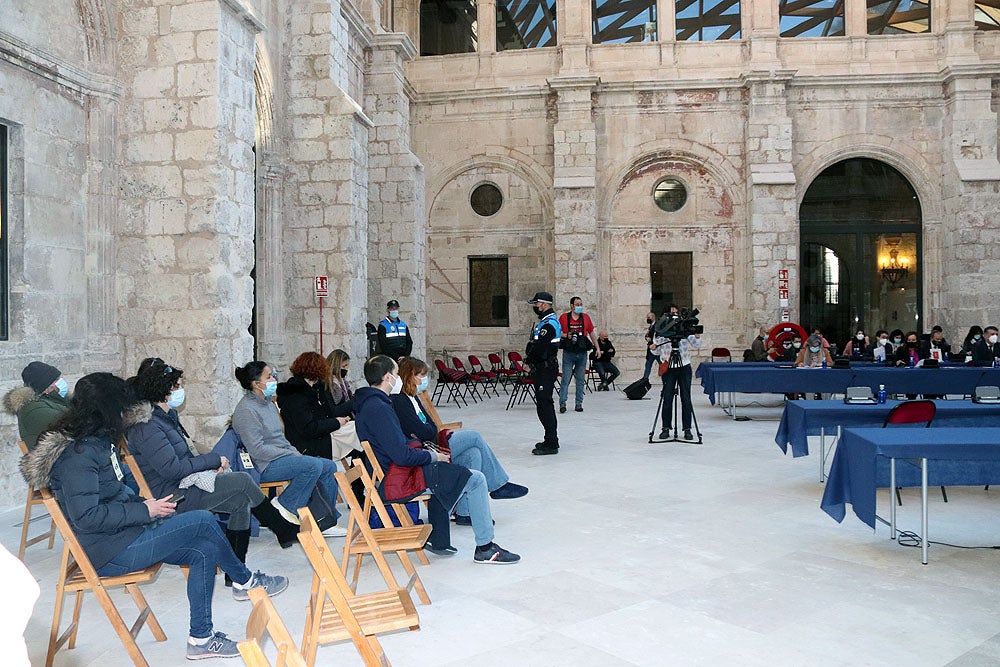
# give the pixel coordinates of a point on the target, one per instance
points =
(670, 194)
(486, 199)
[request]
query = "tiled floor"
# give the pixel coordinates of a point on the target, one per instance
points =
(640, 554)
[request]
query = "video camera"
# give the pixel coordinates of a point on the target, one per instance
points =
(677, 326)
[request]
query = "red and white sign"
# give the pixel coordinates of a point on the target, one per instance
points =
(783, 274)
(784, 315)
(322, 284)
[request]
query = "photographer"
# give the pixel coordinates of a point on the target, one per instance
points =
(578, 339)
(672, 377)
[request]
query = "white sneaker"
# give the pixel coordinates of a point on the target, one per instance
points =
(335, 531)
(288, 516)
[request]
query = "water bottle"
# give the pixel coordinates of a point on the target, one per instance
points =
(824, 361)
(911, 361)
(881, 394)
(996, 362)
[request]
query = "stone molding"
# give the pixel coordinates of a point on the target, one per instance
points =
(55, 69)
(246, 13)
(356, 23)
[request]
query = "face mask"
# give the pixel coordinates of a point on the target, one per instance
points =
(270, 387)
(911, 343)
(993, 339)
(538, 311)
(786, 345)
(814, 350)
(976, 337)
(883, 341)
(393, 314)
(796, 345)
(397, 386)
(343, 372)
(62, 387)
(176, 398)
(649, 320)
(422, 387)
(860, 336)
(578, 309)
(764, 338)
(897, 341)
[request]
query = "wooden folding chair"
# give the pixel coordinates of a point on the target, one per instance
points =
(402, 514)
(336, 613)
(263, 619)
(34, 498)
(433, 414)
(363, 539)
(76, 574)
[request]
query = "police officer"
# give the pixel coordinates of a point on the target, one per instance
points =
(542, 363)
(393, 334)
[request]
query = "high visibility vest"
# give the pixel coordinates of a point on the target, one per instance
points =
(552, 319)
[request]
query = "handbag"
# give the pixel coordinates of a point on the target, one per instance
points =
(321, 509)
(664, 367)
(404, 482)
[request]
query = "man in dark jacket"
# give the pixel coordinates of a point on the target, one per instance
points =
(542, 363)
(378, 424)
(39, 403)
(987, 348)
(394, 334)
(604, 364)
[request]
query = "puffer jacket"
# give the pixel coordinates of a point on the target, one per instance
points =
(104, 516)
(35, 413)
(162, 452)
(308, 418)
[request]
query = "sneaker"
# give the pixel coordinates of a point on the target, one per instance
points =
(509, 490)
(335, 531)
(441, 551)
(217, 646)
(463, 520)
(545, 450)
(562, 408)
(579, 408)
(664, 434)
(494, 554)
(285, 514)
(272, 585)
(687, 434)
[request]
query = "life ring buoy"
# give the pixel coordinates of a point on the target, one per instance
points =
(782, 332)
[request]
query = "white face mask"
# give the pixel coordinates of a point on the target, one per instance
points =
(796, 345)
(397, 386)
(860, 336)
(993, 339)
(883, 341)
(176, 398)
(62, 387)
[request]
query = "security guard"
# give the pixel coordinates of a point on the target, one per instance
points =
(542, 363)
(393, 334)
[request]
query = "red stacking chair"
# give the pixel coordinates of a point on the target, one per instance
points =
(472, 379)
(491, 378)
(451, 379)
(909, 413)
(504, 374)
(523, 385)
(721, 354)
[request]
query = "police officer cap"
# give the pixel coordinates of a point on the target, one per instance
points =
(392, 304)
(541, 296)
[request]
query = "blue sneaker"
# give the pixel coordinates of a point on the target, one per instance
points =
(494, 554)
(217, 646)
(272, 585)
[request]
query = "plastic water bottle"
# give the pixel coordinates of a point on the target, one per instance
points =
(996, 362)
(911, 361)
(824, 362)
(881, 394)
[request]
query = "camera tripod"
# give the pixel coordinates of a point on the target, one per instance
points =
(674, 364)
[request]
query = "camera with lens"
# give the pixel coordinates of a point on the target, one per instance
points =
(679, 325)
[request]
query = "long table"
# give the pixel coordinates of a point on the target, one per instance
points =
(868, 459)
(770, 378)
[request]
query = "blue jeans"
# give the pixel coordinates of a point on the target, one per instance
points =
(470, 450)
(478, 500)
(575, 365)
(650, 358)
(303, 473)
(193, 539)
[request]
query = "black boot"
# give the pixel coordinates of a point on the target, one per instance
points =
(269, 518)
(239, 540)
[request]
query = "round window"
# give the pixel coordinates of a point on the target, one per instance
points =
(670, 194)
(486, 199)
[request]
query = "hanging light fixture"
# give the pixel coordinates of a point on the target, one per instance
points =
(895, 269)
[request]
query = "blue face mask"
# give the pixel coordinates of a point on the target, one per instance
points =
(270, 387)
(393, 314)
(578, 309)
(422, 387)
(62, 387)
(814, 350)
(176, 398)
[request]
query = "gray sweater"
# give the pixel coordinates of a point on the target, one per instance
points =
(259, 426)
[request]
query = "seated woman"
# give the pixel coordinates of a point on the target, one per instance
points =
(340, 394)
(857, 346)
(257, 423)
(122, 533)
(160, 446)
(467, 447)
(814, 354)
(910, 352)
(308, 411)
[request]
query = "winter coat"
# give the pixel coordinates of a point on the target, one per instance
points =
(410, 421)
(257, 423)
(36, 413)
(160, 448)
(308, 416)
(103, 515)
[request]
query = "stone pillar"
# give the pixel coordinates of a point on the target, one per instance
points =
(574, 139)
(397, 219)
(486, 24)
(761, 29)
(185, 243)
(325, 228)
(772, 205)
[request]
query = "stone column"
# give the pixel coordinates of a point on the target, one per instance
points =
(185, 244)
(772, 206)
(325, 230)
(574, 139)
(486, 23)
(397, 222)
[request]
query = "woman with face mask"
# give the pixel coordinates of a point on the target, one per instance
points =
(856, 346)
(468, 448)
(910, 351)
(171, 465)
(313, 424)
(974, 336)
(39, 403)
(813, 354)
(257, 423)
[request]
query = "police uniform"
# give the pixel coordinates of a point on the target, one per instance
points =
(541, 355)
(394, 336)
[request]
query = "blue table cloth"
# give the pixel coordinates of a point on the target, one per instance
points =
(764, 378)
(956, 457)
(804, 418)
